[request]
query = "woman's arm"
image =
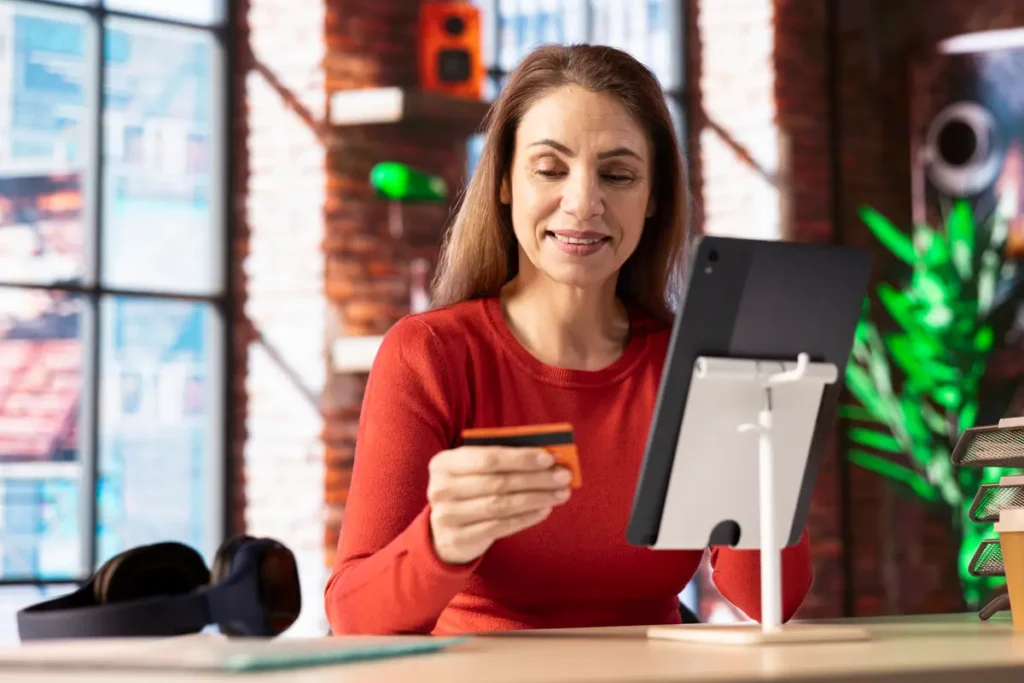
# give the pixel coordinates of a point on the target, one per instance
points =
(737, 575)
(387, 578)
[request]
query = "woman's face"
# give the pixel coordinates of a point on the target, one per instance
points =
(579, 186)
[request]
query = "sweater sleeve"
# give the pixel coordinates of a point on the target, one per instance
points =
(737, 576)
(387, 578)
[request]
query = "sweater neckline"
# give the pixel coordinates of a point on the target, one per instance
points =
(568, 377)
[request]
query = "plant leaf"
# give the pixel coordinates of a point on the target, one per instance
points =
(873, 439)
(860, 385)
(947, 396)
(983, 339)
(899, 305)
(961, 230)
(898, 243)
(855, 412)
(917, 428)
(930, 288)
(890, 470)
(987, 279)
(932, 418)
(930, 247)
(968, 414)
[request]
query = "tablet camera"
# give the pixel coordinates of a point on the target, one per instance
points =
(712, 258)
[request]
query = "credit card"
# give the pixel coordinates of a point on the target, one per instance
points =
(556, 439)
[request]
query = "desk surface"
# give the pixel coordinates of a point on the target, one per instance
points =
(935, 649)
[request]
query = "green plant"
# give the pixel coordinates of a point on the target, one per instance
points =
(916, 378)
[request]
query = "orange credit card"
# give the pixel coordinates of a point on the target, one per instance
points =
(556, 439)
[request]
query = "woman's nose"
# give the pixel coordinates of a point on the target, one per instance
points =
(582, 196)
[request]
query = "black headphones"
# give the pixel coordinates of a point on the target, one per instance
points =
(165, 589)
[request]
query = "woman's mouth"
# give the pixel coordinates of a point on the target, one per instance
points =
(578, 242)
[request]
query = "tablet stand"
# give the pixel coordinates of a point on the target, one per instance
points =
(793, 415)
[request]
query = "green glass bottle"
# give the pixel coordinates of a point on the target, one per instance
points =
(400, 182)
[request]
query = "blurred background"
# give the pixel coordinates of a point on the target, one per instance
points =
(195, 268)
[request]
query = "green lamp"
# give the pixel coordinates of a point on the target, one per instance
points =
(402, 184)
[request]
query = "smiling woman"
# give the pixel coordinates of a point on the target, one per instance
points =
(551, 306)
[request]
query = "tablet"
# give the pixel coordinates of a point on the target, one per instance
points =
(745, 299)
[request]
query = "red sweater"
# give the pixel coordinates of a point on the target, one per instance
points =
(449, 369)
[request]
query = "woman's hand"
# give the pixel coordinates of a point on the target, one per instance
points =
(479, 494)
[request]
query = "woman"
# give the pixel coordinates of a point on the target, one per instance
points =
(550, 307)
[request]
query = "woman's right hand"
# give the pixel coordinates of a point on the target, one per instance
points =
(479, 494)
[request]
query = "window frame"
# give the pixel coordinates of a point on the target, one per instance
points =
(91, 289)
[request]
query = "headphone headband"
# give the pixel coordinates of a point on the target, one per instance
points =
(78, 616)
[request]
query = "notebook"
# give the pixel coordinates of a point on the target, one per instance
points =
(214, 652)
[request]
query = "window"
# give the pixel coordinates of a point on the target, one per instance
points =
(113, 296)
(650, 30)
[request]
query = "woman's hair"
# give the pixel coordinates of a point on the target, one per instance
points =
(480, 253)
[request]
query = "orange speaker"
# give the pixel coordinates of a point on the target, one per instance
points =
(449, 49)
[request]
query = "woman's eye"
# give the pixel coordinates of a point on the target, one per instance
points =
(617, 178)
(548, 173)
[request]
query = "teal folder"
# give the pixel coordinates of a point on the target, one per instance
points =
(265, 660)
(213, 652)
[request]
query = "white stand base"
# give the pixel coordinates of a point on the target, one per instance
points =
(753, 634)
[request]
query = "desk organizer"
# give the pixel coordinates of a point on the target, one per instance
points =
(988, 559)
(1000, 446)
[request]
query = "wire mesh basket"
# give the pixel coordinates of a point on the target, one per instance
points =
(991, 498)
(991, 446)
(988, 559)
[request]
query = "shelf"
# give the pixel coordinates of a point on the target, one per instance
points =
(395, 105)
(354, 354)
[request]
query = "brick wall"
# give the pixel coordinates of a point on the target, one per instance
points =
(369, 270)
(316, 259)
(282, 366)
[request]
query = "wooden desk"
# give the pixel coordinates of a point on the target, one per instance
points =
(933, 649)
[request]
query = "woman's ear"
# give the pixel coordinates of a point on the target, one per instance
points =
(505, 193)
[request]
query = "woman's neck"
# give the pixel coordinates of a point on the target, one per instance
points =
(564, 326)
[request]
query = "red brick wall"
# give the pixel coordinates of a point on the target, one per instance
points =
(368, 271)
(281, 367)
(315, 260)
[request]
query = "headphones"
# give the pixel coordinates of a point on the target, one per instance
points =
(165, 589)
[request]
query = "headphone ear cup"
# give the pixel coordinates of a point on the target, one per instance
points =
(221, 568)
(102, 577)
(225, 556)
(158, 569)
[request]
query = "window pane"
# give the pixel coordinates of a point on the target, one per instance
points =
(162, 228)
(41, 360)
(194, 11)
(44, 135)
(161, 448)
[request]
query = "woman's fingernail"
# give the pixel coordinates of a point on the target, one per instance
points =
(545, 459)
(562, 476)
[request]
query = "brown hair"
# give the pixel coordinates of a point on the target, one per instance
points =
(480, 252)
